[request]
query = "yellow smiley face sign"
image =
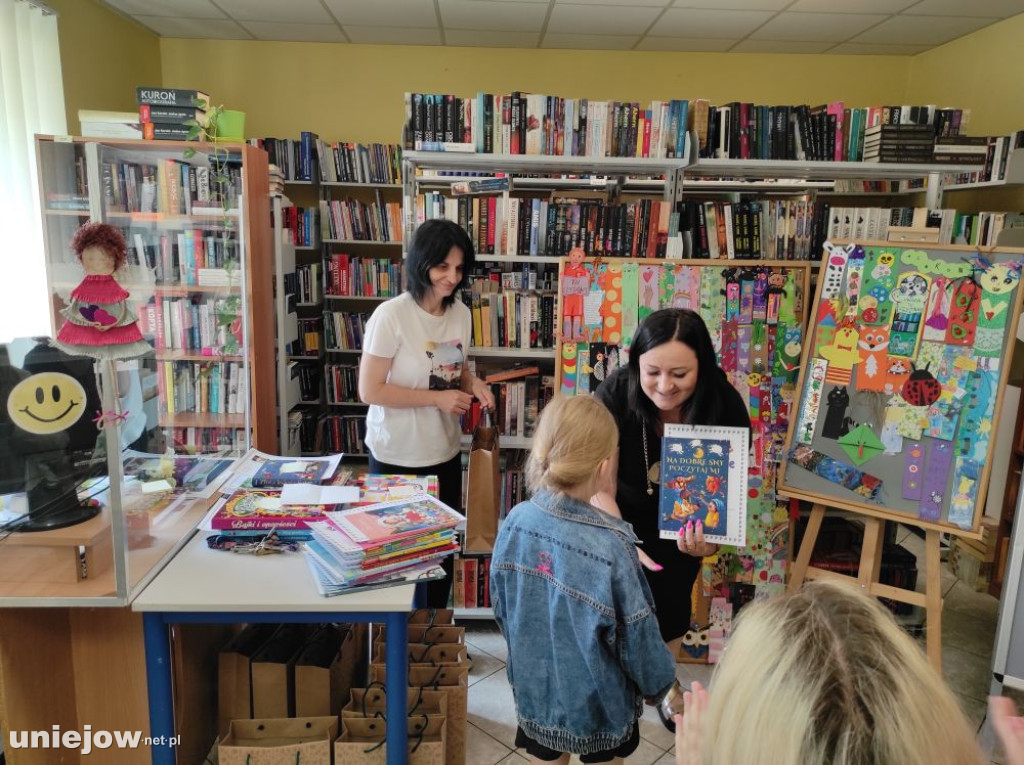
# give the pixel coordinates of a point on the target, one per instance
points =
(46, 403)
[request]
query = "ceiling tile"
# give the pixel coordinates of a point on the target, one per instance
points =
(609, 20)
(631, 3)
(780, 46)
(382, 13)
(491, 39)
(870, 49)
(211, 29)
(589, 42)
(734, 5)
(193, 9)
(294, 11)
(861, 6)
(463, 14)
(694, 44)
(276, 30)
(921, 30)
(974, 8)
(816, 27)
(392, 35)
(694, 23)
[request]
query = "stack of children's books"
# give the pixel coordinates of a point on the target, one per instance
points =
(382, 544)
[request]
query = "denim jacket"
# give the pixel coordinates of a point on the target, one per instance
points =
(583, 641)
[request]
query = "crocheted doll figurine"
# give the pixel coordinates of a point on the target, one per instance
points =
(98, 322)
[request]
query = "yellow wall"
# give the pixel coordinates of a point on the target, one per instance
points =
(103, 57)
(982, 72)
(355, 92)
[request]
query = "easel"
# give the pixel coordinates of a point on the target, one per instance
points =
(868, 575)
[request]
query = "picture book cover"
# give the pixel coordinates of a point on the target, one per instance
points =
(703, 477)
(382, 487)
(279, 472)
(399, 518)
(261, 510)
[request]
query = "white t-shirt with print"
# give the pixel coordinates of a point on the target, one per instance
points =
(427, 353)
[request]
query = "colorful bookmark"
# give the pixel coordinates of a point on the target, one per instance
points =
(913, 472)
(936, 476)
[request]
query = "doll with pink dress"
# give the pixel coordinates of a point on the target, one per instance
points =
(98, 322)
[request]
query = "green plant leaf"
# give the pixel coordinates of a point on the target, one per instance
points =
(189, 153)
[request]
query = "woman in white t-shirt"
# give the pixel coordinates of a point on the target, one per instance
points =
(413, 372)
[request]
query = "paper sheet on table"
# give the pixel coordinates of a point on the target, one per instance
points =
(315, 494)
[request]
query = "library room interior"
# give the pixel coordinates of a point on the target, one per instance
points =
(343, 343)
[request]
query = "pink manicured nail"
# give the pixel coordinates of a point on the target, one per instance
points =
(657, 567)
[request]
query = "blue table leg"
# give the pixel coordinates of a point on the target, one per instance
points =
(397, 660)
(158, 685)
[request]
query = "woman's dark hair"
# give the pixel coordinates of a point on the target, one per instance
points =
(687, 327)
(430, 246)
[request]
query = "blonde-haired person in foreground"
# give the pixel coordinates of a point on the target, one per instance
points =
(823, 676)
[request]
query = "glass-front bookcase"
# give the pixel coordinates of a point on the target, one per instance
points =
(111, 461)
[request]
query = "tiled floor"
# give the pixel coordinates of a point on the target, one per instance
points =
(968, 631)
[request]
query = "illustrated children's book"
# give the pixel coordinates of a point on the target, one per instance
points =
(381, 487)
(704, 478)
(279, 472)
(262, 510)
(400, 518)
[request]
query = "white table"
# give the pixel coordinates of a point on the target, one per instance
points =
(201, 585)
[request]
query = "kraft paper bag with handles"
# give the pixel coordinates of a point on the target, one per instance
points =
(452, 680)
(372, 702)
(483, 492)
(362, 741)
(283, 741)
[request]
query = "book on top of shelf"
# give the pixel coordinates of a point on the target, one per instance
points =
(172, 97)
(703, 477)
(262, 510)
(512, 374)
(481, 186)
(400, 518)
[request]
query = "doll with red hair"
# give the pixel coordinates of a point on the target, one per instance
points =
(98, 322)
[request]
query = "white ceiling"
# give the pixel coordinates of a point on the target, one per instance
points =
(895, 27)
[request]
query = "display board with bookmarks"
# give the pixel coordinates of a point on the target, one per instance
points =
(908, 354)
(755, 311)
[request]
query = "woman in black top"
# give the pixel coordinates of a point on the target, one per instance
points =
(672, 377)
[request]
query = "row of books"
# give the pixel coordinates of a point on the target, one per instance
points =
(365, 277)
(531, 123)
(302, 225)
(512, 471)
(512, 318)
(197, 323)
(342, 433)
(351, 219)
(996, 161)
(306, 284)
(308, 379)
(198, 256)
(170, 186)
(471, 578)
(201, 387)
(342, 381)
(774, 229)
(295, 158)
(343, 330)
(517, 405)
(308, 341)
(542, 276)
(193, 440)
(359, 163)
(534, 226)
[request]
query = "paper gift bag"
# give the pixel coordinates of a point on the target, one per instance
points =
(368, 702)
(423, 653)
(285, 741)
(483, 489)
(432, 616)
(362, 741)
(324, 671)
(234, 681)
(422, 633)
(454, 682)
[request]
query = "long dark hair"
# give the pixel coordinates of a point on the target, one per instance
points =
(706, 406)
(430, 246)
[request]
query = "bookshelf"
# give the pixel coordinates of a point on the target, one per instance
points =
(197, 253)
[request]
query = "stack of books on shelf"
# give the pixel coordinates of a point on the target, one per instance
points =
(531, 123)
(305, 284)
(350, 219)
(308, 342)
(169, 114)
(342, 383)
(519, 394)
(276, 180)
(860, 224)
(343, 330)
(297, 160)
(106, 124)
(343, 433)
(996, 158)
(171, 186)
(899, 143)
(510, 311)
(358, 163)
(308, 377)
(961, 150)
(364, 277)
(385, 543)
(302, 225)
(772, 229)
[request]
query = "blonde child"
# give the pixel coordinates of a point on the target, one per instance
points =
(584, 649)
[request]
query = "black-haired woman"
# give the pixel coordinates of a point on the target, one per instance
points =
(672, 377)
(413, 372)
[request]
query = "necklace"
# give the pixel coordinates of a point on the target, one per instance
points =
(652, 472)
